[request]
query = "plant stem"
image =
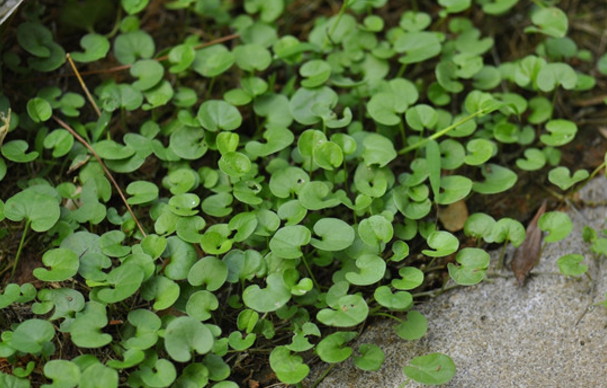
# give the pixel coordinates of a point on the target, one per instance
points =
(107, 172)
(405, 383)
(440, 133)
(388, 316)
(324, 374)
(342, 10)
(500, 261)
(303, 258)
(21, 243)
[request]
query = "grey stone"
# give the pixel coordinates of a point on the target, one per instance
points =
(545, 334)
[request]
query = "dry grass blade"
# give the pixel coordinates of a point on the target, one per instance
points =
(527, 255)
(107, 172)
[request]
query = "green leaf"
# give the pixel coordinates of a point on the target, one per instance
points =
(130, 46)
(316, 72)
(378, 150)
(277, 138)
(555, 74)
(304, 100)
(331, 349)
(453, 189)
(375, 231)
(213, 61)
(200, 304)
(371, 269)
(411, 278)
(570, 265)
(185, 335)
(39, 204)
(64, 263)
(181, 57)
(125, 281)
(534, 160)
(234, 164)
(432, 369)
(480, 151)
(39, 109)
(149, 73)
(86, 329)
(63, 373)
(288, 240)
(498, 7)
(14, 151)
(335, 235)
(479, 225)
(35, 38)
(497, 179)
(134, 6)
(444, 244)
(413, 328)
(161, 289)
(215, 115)
(32, 335)
(557, 224)
(386, 108)
(61, 141)
(507, 229)
(349, 311)
(417, 46)
(289, 368)
(473, 265)
(95, 47)
(271, 298)
(560, 131)
(549, 21)
(561, 176)
(208, 271)
(252, 57)
(398, 301)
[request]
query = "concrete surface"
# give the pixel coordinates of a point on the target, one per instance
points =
(500, 335)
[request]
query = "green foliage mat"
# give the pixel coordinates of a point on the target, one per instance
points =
(230, 190)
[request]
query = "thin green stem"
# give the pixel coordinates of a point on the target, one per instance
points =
(441, 132)
(401, 127)
(388, 316)
(310, 272)
(500, 262)
(405, 383)
(21, 244)
(342, 10)
(322, 377)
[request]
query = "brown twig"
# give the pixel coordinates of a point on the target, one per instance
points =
(105, 169)
(125, 67)
(83, 85)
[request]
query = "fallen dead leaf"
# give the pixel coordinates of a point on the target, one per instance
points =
(527, 254)
(454, 216)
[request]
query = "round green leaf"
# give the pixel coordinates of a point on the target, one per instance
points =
(200, 304)
(561, 176)
(64, 264)
(215, 115)
(413, 328)
(208, 271)
(417, 46)
(335, 234)
(350, 311)
(331, 349)
(570, 265)
(39, 109)
(398, 301)
(386, 108)
(304, 100)
(39, 204)
(411, 278)
(444, 244)
(15, 151)
(375, 231)
(130, 46)
(557, 224)
(32, 335)
(497, 179)
(550, 21)
(371, 269)
(185, 335)
(378, 150)
(271, 298)
(289, 368)
(95, 47)
(149, 73)
(288, 240)
(432, 369)
(473, 265)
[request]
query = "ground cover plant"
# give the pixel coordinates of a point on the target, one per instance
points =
(215, 193)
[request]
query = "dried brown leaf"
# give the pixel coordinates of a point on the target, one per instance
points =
(527, 254)
(454, 216)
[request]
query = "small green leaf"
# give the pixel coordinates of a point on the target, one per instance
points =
(15, 151)
(473, 265)
(273, 297)
(507, 229)
(413, 328)
(432, 369)
(39, 204)
(200, 305)
(65, 374)
(398, 301)
(418, 46)
(561, 176)
(149, 73)
(386, 108)
(64, 263)
(550, 21)
(497, 179)
(331, 349)
(39, 109)
(371, 269)
(185, 335)
(349, 311)
(335, 234)
(95, 47)
(411, 278)
(570, 265)
(32, 335)
(215, 115)
(376, 231)
(444, 244)
(557, 224)
(289, 368)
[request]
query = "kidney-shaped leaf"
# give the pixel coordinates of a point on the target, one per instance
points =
(334, 234)
(432, 369)
(558, 225)
(185, 335)
(64, 264)
(351, 310)
(473, 265)
(271, 298)
(39, 204)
